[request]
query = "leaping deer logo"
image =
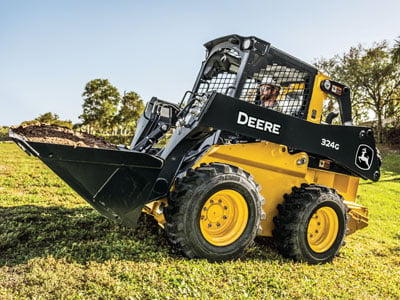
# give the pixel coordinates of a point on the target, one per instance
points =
(364, 158)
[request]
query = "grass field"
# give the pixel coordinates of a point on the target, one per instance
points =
(54, 246)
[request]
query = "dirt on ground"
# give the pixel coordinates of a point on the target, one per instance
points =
(54, 134)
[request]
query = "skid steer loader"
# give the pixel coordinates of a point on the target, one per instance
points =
(233, 170)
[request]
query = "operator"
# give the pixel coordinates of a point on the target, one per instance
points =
(269, 91)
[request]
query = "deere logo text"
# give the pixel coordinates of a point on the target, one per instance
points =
(260, 124)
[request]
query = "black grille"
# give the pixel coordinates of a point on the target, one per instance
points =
(221, 83)
(294, 86)
(220, 73)
(225, 74)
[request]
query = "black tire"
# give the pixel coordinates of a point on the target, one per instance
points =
(311, 224)
(199, 221)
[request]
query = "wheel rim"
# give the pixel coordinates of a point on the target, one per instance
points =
(323, 229)
(223, 217)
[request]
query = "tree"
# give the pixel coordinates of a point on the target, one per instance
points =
(131, 109)
(100, 105)
(373, 74)
(49, 118)
(396, 50)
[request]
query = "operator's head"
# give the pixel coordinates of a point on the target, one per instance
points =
(269, 91)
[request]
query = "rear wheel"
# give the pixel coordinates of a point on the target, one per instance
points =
(214, 212)
(311, 224)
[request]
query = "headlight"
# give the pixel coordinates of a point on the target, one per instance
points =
(327, 84)
(247, 44)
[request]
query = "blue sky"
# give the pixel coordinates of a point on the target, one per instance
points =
(49, 49)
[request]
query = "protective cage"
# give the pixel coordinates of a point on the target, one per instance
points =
(232, 71)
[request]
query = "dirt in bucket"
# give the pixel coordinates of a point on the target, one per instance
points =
(55, 134)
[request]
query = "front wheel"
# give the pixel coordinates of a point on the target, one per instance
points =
(311, 224)
(214, 212)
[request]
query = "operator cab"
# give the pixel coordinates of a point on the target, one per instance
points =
(236, 66)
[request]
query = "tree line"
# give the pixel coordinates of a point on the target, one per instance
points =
(105, 110)
(373, 75)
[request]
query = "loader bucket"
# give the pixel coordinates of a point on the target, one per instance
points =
(117, 183)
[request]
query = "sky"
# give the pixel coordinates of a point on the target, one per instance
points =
(50, 49)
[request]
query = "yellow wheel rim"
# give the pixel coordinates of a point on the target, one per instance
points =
(322, 229)
(223, 217)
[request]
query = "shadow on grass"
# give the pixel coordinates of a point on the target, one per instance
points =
(76, 234)
(82, 235)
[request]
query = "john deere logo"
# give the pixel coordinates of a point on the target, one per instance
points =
(364, 157)
(260, 124)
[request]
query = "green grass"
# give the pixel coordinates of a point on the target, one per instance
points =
(54, 246)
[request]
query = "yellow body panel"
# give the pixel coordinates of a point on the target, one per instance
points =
(272, 167)
(317, 100)
(345, 185)
(277, 172)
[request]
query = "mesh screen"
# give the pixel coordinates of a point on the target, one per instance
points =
(225, 75)
(294, 88)
(295, 83)
(221, 83)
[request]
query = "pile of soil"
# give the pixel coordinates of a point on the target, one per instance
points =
(54, 134)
